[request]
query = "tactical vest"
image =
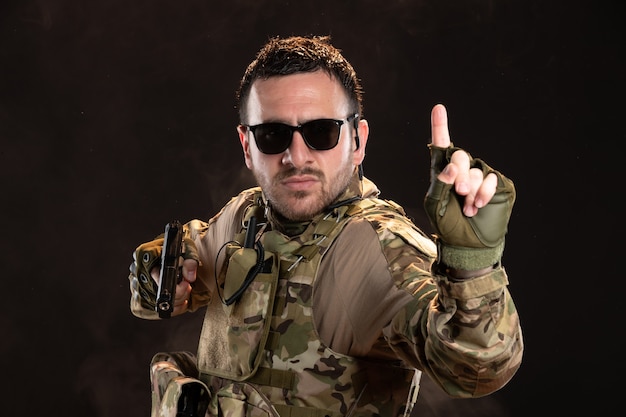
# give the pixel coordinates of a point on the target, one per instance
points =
(263, 348)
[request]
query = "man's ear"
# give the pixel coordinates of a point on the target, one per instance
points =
(361, 129)
(242, 131)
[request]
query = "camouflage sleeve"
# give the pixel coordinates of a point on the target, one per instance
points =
(466, 335)
(474, 324)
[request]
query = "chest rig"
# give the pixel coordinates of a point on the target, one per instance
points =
(263, 333)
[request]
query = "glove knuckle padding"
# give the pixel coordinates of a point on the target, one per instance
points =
(444, 208)
(491, 221)
(146, 257)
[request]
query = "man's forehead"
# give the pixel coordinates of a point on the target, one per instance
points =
(297, 92)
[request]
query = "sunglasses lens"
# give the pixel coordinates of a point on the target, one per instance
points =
(321, 135)
(272, 138)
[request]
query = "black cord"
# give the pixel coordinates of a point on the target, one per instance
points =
(217, 285)
(252, 273)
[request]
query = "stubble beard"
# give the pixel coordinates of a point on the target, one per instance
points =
(303, 205)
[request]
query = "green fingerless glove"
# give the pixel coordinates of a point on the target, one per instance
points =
(148, 256)
(467, 243)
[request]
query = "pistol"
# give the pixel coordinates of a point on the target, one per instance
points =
(170, 268)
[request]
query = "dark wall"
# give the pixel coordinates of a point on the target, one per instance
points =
(117, 117)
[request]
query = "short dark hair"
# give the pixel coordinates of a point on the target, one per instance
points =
(298, 54)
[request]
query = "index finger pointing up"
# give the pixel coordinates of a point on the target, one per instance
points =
(439, 126)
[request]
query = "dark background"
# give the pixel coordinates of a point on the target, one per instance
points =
(117, 117)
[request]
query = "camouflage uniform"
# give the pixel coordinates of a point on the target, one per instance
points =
(344, 312)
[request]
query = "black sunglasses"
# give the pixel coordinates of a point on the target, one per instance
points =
(319, 135)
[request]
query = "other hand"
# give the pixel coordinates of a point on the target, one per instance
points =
(183, 288)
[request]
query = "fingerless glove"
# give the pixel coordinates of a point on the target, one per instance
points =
(467, 243)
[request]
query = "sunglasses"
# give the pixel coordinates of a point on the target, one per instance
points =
(319, 135)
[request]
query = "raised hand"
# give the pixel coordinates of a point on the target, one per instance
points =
(468, 203)
(468, 182)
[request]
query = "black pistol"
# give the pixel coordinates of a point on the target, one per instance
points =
(170, 268)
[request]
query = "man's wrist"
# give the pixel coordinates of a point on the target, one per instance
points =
(462, 274)
(469, 259)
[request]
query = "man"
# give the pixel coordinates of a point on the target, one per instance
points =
(321, 298)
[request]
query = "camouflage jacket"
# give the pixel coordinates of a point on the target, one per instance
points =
(340, 328)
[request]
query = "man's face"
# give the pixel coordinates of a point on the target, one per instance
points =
(300, 182)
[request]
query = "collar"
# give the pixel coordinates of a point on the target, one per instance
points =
(356, 190)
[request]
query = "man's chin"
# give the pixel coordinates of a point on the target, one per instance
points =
(301, 208)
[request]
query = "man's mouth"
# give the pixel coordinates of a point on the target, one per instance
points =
(300, 182)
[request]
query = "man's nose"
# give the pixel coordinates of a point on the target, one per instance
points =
(298, 153)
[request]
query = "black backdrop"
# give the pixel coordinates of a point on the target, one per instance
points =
(117, 116)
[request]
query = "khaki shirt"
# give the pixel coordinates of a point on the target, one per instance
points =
(378, 298)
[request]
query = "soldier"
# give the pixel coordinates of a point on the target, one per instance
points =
(322, 298)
